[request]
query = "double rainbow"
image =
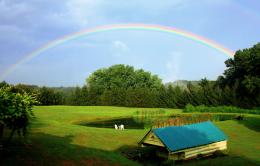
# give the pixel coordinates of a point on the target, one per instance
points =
(146, 27)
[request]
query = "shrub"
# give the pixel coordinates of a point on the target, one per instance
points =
(219, 109)
(15, 111)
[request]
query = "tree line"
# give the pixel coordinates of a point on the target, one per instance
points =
(122, 85)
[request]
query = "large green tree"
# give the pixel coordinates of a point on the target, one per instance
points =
(243, 75)
(122, 85)
(122, 76)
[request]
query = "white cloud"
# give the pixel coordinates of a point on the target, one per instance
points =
(10, 10)
(120, 45)
(120, 48)
(173, 67)
(82, 11)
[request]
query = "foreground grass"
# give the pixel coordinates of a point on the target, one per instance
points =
(57, 139)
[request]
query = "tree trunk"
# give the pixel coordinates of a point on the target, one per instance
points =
(11, 135)
(1, 131)
(1, 136)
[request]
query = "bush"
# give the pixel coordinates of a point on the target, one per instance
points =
(219, 109)
(15, 111)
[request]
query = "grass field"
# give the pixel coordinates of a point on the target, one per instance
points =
(56, 138)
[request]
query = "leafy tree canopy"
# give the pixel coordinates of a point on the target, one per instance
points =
(243, 74)
(122, 76)
(15, 110)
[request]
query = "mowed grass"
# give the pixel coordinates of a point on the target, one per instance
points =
(57, 139)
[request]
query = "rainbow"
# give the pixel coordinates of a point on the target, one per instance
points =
(114, 27)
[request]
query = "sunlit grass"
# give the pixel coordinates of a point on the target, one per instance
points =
(56, 138)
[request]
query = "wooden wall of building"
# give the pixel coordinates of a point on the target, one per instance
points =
(200, 150)
(152, 139)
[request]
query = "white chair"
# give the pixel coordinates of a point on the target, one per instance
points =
(116, 127)
(122, 127)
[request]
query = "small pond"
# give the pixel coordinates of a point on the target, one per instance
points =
(142, 122)
(129, 123)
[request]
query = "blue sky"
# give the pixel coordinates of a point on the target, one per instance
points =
(26, 25)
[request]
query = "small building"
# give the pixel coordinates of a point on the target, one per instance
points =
(187, 141)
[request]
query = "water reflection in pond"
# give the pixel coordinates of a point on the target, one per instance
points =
(141, 122)
(129, 123)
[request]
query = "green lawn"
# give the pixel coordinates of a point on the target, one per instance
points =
(57, 139)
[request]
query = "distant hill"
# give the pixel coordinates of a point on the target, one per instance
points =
(181, 83)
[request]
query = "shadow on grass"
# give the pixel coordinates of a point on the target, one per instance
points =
(36, 123)
(216, 160)
(53, 150)
(142, 155)
(147, 157)
(129, 123)
(251, 123)
(188, 137)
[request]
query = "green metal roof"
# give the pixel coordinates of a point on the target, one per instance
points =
(187, 136)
